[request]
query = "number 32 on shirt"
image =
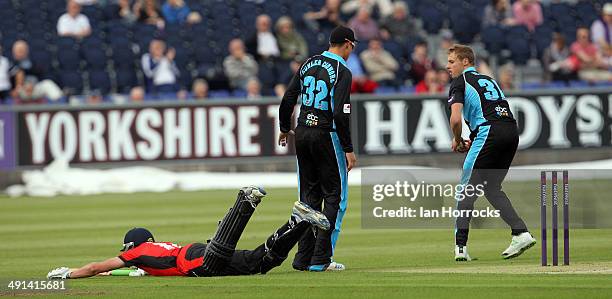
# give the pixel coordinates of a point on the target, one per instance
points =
(315, 93)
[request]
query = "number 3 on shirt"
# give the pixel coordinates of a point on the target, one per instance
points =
(491, 93)
(309, 96)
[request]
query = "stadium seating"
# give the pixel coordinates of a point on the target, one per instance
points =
(109, 59)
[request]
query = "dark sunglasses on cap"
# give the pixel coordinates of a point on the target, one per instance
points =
(353, 44)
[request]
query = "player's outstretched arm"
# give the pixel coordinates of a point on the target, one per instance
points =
(88, 270)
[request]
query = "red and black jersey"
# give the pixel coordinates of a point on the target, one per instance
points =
(165, 259)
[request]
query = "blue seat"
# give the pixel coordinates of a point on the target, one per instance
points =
(183, 55)
(385, 90)
(125, 79)
(267, 75)
(520, 51)
(69, 59)
(66, 43)
(71, 80)
(433, 18)
(185, 79)
(542, 38)
(493, 38)
(239, 93)
(464, 26)
(93, 13)
(586, 12)
(204, 55)
(395, 49)
(43, 59)
(99, 79)
(95, 58)
(518, 31)
(117, 28)
(220, 93)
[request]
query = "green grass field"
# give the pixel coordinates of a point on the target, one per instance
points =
(38, 234)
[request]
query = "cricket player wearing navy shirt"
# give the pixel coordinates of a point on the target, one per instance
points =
(490, 149)
(322, 143)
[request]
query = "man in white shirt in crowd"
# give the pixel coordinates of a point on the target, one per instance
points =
(263, 44)
(159, 68)
(73, 23)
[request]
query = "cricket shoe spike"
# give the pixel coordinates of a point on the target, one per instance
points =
(461, 254)
(254, 194)
(333, 266)
(519, 245)
(303, 212)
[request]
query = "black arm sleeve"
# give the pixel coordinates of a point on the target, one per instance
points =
(288, 103)
(456, 93)
(342, 110)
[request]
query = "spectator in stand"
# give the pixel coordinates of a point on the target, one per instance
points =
(5, 78)
(361, 83)
(601, 31)
(137, 94)
(399, 26)
(263, 44)
(528, 13)
(430, 84)
(556, 60)
(253, 90)
(446, 41)
(364, 26)
(444, 80)
(506, 77)
(28, 93)
(326, 18)
(199, 89)
(279, 90)
(73, 23)
(482, 66)
(292, 45)
(159, 68)
(239, 66)
(498, 13)
(22, 67)
(123, 10)
(86, 2)
(591, 64)
(148, 12)
(94, 97)
(380, 64)
(385, 7)
(177, 12)
(421, 62)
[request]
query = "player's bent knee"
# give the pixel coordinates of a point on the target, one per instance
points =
(216, 257)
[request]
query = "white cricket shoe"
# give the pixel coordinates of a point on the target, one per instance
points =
(254, 194)
(461, 254)
(333, 266)
(519, 245)
(303, 212)
(59, 273)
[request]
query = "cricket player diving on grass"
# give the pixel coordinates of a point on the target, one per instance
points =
(490, 150)
(216, 258)
(322, 144)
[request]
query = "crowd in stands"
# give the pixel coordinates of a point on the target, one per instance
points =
(138, 50)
